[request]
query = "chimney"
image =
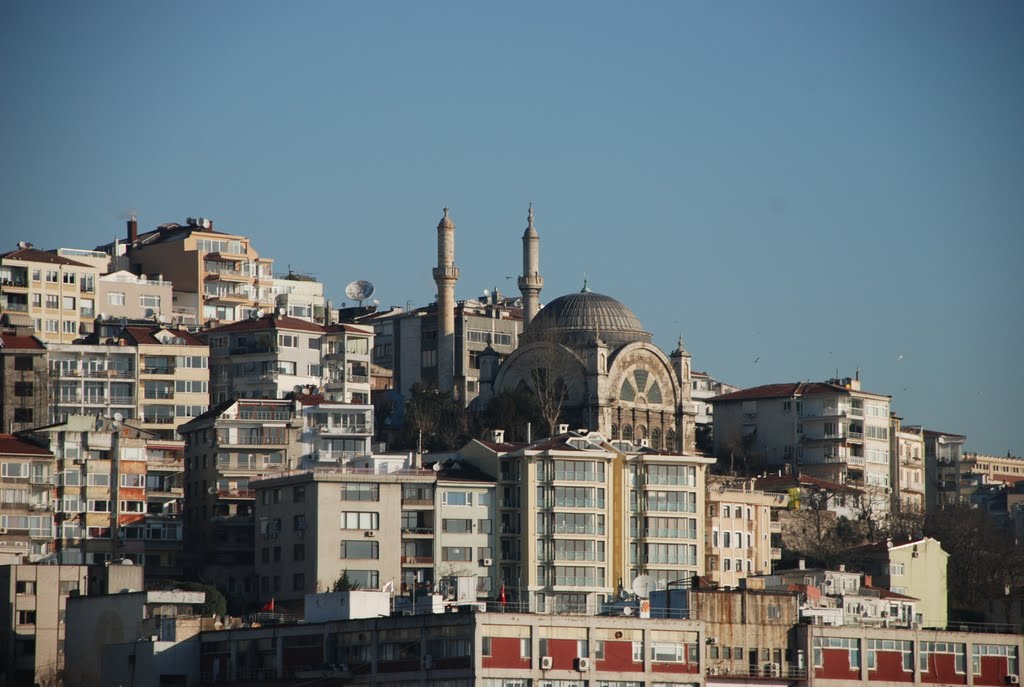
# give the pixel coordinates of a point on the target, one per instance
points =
(498, 436)
(867, 580)
(842, 567)
(802, 564)
(133, 230)
(563, 429)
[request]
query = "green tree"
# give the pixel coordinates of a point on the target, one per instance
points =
(344, 583)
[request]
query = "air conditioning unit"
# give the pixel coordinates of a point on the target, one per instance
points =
(713, 670)
(582, 664)
(3, 530)
(1012, 679)
(322, 428)
(487, 562)
(369, 533)
(712, 640)
(546, 662)
(428, 661)
(774, 669)
(79, 461)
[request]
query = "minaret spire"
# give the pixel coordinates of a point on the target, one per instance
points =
(531, 283)
(445, 276)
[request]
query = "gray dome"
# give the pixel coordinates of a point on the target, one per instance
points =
(586, 316)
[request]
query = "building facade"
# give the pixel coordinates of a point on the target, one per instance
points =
(739, 529)
(24, 382)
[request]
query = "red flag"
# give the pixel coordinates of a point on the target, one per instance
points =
(501, 595)
(269, 606)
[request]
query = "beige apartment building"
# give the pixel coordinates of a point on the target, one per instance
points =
(1007, 469)
(915, 568)
(345, 364)
(217, 276)
(125, 295)
(908, 474)
(738, 530)
(26, 501)
(831, 430)
(156, 376)
(580, 517)
(302, 297)
(53, 294)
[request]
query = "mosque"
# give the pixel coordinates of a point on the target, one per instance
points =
(586, 352)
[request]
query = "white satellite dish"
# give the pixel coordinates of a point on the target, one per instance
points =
(118, 417)
(436, 467)
(627, 610)
(360, 290)
(642, 586)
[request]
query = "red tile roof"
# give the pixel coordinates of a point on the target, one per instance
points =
(776, 482)
(884, 593)
(353, 328)
(11, 445)
(502, 447)
(10, 341)
(267, 322)
(36, 255)
(787, 390)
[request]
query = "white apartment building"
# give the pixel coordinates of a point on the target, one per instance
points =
(122, 294)
(302, 297)
(345, 366)
(908, 471)
(831, 430)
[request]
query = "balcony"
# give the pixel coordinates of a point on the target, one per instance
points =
(418, 532)
(774, 526)
(417, 560)
(855, 436)
(14, 307)
(359, 379)
(227, 297)
(158, 420)
(14, 283)
(232, 494)
(159, 370)
(776, 553)
(158, 395)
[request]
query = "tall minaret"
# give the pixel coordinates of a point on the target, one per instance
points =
(445, 276)
(531, 282)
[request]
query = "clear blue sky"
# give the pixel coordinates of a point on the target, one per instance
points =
(821, 185)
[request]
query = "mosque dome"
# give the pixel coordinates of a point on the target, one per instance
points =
(586, 316)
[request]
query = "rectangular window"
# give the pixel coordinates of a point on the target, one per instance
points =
(149, 301)
(360, 492)
(357, 520)
(456, 525)
(360, 549)
(115, 298)
(456, 553)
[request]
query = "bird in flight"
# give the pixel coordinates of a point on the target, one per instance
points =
(757, 359)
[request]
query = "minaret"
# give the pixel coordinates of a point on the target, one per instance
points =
(531, 282)
(445, 276)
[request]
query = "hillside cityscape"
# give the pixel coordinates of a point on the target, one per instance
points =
(213, 474)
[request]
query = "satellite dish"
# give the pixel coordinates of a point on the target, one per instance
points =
(436, 467)
(627, 610)
(487, 292)
(376, 301)
(360, 290)
(642, 586)
(118, 417)
(297, 388)
(211, 490)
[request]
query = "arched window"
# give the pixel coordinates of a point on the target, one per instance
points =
(627, 432)
(670, 440)
(641, 432)
(656, 438)
(615, 431)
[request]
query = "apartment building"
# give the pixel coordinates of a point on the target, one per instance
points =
(831, 430)
(53, 294)
(1008, 469)
(705, 387)
(155, 375)
(346, 352)
(217, 276)
(226, 449)
(264, 356)
(302, 297)
(26, 501)
(739, 528)
(947, 473)
(407, 341)
(24, 382)
(334, 433)
(908, 471)
(579, 517)
(916, 568)
(130, 296)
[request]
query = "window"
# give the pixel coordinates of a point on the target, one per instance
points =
(668, 653)
(456, 553)
(360, 549)
(115, 298)
(456, 525)
(1002, 650)
(70, 326)
(927, 664)
(905, 647)
(69, 302)
(457, 498)
(23, 389)
(52, 276)
(298, 582)
(851, 644)
(360, 521)
(299, 553)
(149, 301)
(360, 492)
(26, 617)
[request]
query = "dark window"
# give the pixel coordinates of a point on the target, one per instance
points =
(23, 362)
(23, 389)
(23, 415)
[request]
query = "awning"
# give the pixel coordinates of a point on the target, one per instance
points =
(15, 319)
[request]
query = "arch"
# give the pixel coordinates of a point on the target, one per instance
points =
(656, 438)
(627, 432)
(615, 431)
(670, 440)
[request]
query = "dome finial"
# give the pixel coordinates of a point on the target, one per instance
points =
(529, 216)
(586, 284)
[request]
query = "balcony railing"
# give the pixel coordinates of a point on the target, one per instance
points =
(236, 493)
(776, 553)
(15, 283)
(158, 419)
(15, 307)
(417, 560)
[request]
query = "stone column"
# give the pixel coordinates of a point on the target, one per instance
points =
(531, 282)
(445, 276)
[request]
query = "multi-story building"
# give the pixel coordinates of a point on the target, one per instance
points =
(130, 296)
(705, 387)
(947, 473)
(831, 430)
(346, 363)
(48, 292)
(226, 448)
(218, 276)
(915, 568)
(26, 501)
(579, 517)
(155, 375)
(408, 341)
(741, 521)
(265, 356)
(301, 297)
(32, 628)
(24, 382)
(334, 433)
(908, 473)
(1008, 469)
